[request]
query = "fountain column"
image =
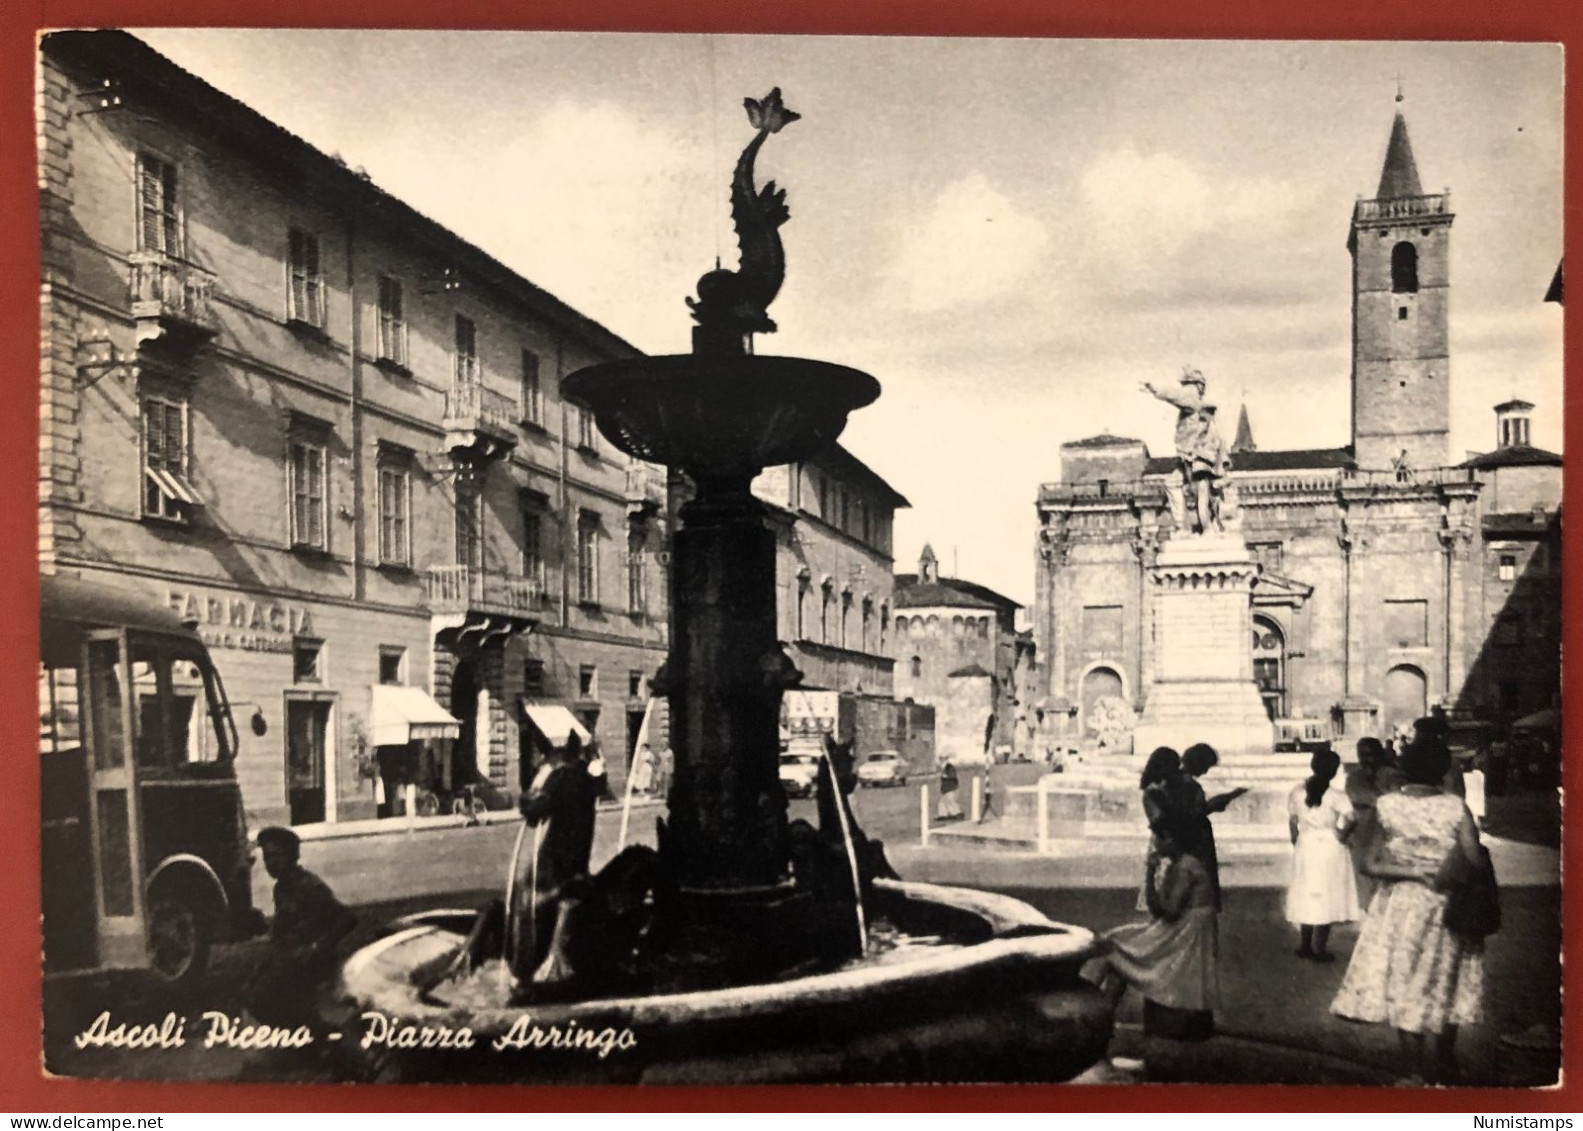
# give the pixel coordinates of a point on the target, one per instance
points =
(727, 825)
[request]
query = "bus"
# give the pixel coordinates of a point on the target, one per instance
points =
(146, 860)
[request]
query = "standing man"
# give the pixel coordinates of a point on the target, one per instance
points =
(309, 926)
(560, 806)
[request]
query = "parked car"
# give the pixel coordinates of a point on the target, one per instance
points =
(798, 774)
(883, 767)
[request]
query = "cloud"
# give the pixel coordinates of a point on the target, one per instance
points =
(972, 247)
(1145, 211)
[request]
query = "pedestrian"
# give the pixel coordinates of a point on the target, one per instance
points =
(1372, 777)
(950, 806)
(1408, 969)
(1323, 891)
(300, 963)
(643, 769)
(1193, 809)
(559, 805)
(1172, 960)
(1158, 786)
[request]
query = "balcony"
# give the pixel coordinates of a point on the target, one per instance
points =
(463, 589)
(645, 490)
(1404, 208)
(480, 424)
(170, 301)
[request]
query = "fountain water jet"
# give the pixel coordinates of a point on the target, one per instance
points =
(743, 972)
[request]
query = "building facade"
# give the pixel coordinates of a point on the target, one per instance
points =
(1389, 579)
(329, 431)
(955, 644)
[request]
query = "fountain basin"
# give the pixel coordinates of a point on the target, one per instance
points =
(721, 416)
(1005, 1005)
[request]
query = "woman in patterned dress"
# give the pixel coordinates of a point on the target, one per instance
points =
(1407, 969)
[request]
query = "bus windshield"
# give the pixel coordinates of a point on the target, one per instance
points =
(180, 717)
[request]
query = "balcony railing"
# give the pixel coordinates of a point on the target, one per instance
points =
(172, 294)
(461, 589)
(645, 488)
(1402, 208)
(1429, 476)
(480, 424)
(1119, 490)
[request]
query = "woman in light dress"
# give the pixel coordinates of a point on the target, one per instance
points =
(1408, 970)
(1323, 890)
(1374, 776)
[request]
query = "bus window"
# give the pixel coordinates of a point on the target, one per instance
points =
(60, 720)
(104, 690)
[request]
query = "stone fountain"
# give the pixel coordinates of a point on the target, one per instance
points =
(748, 966)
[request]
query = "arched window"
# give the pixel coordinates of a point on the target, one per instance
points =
(917, 667)
(868, 616)
(1404, 269)
(802, 606)
(956, 626)
(884, 624)
(846, 610)
(826, 598)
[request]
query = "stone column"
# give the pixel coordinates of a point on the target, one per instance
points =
(724, 680)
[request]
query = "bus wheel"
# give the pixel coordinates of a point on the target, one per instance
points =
(178, 939)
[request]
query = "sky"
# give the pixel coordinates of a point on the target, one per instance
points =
(1009, 234)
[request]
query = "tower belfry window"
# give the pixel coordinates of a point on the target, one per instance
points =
(1404, 269)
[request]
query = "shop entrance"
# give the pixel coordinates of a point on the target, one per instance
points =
(464, 705)
(307, 741)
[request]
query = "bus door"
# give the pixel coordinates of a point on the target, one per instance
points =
(113, 809)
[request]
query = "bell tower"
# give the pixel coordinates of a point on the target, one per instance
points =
(1401, 289)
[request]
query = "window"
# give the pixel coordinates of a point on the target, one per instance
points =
(588, 559)
(1406, 624)
(392, 665)
(637, 596)
(1102, 628)
(465, 359)
(1514, 432)
(802, 608)
(305, 298)
(826, 597)
(917, 667)
(884, 624)
(469, 530)
(166, 491)
(307, 494)
(587, 434)
(532, 399)
(1401, 314)
(533, 546)
(868, 616)
(1509, 630)
(158, 218)
(307, 657)
(533, 678)
(634, 685)
(1508, 567)
(1404, 269)
(392, 321)
(846, 617)
(1267, 554)
(395, 508)
(588, 682)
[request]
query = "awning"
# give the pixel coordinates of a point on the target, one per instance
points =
(555, 722)
(408, 714)
(1547, 719)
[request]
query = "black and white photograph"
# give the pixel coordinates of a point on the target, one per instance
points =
(614, 559)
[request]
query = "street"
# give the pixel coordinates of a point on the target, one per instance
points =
(1274, 1024)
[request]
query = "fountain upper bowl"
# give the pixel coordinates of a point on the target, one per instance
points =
(721, 415)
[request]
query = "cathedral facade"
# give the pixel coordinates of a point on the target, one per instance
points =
(1391, 579)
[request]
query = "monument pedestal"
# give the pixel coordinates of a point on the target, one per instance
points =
(1203, 689)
